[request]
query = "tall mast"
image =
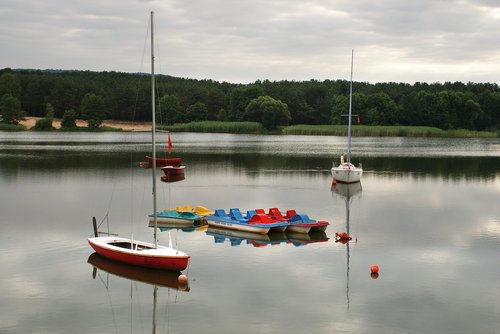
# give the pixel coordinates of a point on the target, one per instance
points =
(350, 114)
(153, 126)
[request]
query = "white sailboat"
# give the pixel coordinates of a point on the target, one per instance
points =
(136, 252)
(346, 172)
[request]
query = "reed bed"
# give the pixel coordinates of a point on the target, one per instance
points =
(12, 127)
(386, 131)
(217, 127)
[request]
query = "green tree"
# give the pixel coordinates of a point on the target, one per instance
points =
(170, 110)
(10, 84)
(381, 109)
(69, 120)
(222, 115)
(240, 98)
(93, 110)
(196, 112)
(268, 111)
(10, 109)
(340, 106)
(46, 122)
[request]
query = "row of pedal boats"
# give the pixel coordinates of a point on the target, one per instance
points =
(253, 221)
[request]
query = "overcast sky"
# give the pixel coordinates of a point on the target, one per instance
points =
(244, 41)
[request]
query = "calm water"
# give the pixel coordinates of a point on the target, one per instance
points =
(427, 212)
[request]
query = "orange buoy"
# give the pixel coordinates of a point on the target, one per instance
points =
(334, 182)
(343, 236)
(374, 269)
(182, 279)
(183, 282)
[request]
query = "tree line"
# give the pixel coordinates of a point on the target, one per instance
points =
(96, 96)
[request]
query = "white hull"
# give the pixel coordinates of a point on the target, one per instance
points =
(239, 227)
(298, 229)
(172, 220)
(347, 173)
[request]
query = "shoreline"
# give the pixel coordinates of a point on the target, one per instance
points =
(30, 121)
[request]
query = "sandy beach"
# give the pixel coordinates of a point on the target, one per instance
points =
(29, 122)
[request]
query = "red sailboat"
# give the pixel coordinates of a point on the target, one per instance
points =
(164, 162)
(136, 252)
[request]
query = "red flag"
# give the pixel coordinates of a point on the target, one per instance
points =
(169, 144)
(358, 120)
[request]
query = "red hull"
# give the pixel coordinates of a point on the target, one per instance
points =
(173, 174)
(169, 263)
(173, 178)
(173, 170)
(162, 162)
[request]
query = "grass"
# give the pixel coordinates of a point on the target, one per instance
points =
(12, 127)
(217, 127)
(311, 130)
(386, 131)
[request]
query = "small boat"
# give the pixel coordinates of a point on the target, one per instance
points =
(176, 217)
(163, 162)
(136, 252)
(173, 173)
(260, 224)
(167, 178)
(346, 172)
(199, 210)
(139, 253)
(300, 223)
(261, 216)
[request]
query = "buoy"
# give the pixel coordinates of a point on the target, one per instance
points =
(334, 182)
(374, 275)
(183, 282)
(374, 269)
(342, 236)
(182, 279)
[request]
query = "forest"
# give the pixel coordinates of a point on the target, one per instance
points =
(126, 96)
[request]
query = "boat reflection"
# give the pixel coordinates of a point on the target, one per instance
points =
(236, 238)
(302, 239)
(347, 192)
(162, 278)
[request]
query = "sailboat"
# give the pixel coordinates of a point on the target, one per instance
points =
(136, 252)
(346, 172)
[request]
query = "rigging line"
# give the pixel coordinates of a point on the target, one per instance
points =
(106, 285)
(140, 78)
(157, 55)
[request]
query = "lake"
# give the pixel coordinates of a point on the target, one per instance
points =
(427, 212)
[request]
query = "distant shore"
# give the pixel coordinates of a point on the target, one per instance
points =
(257, 128)
(29, 122)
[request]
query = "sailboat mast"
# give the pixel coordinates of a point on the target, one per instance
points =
(153, 127)
(350, 114)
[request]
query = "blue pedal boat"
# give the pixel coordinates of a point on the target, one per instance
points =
(236, 221)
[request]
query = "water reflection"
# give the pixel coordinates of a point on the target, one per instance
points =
(429, 217)
(347, 192)
(254, 155)
(236, 238)
(157, 278)
(162, 278)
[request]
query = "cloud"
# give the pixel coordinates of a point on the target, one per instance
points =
(246, 41)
